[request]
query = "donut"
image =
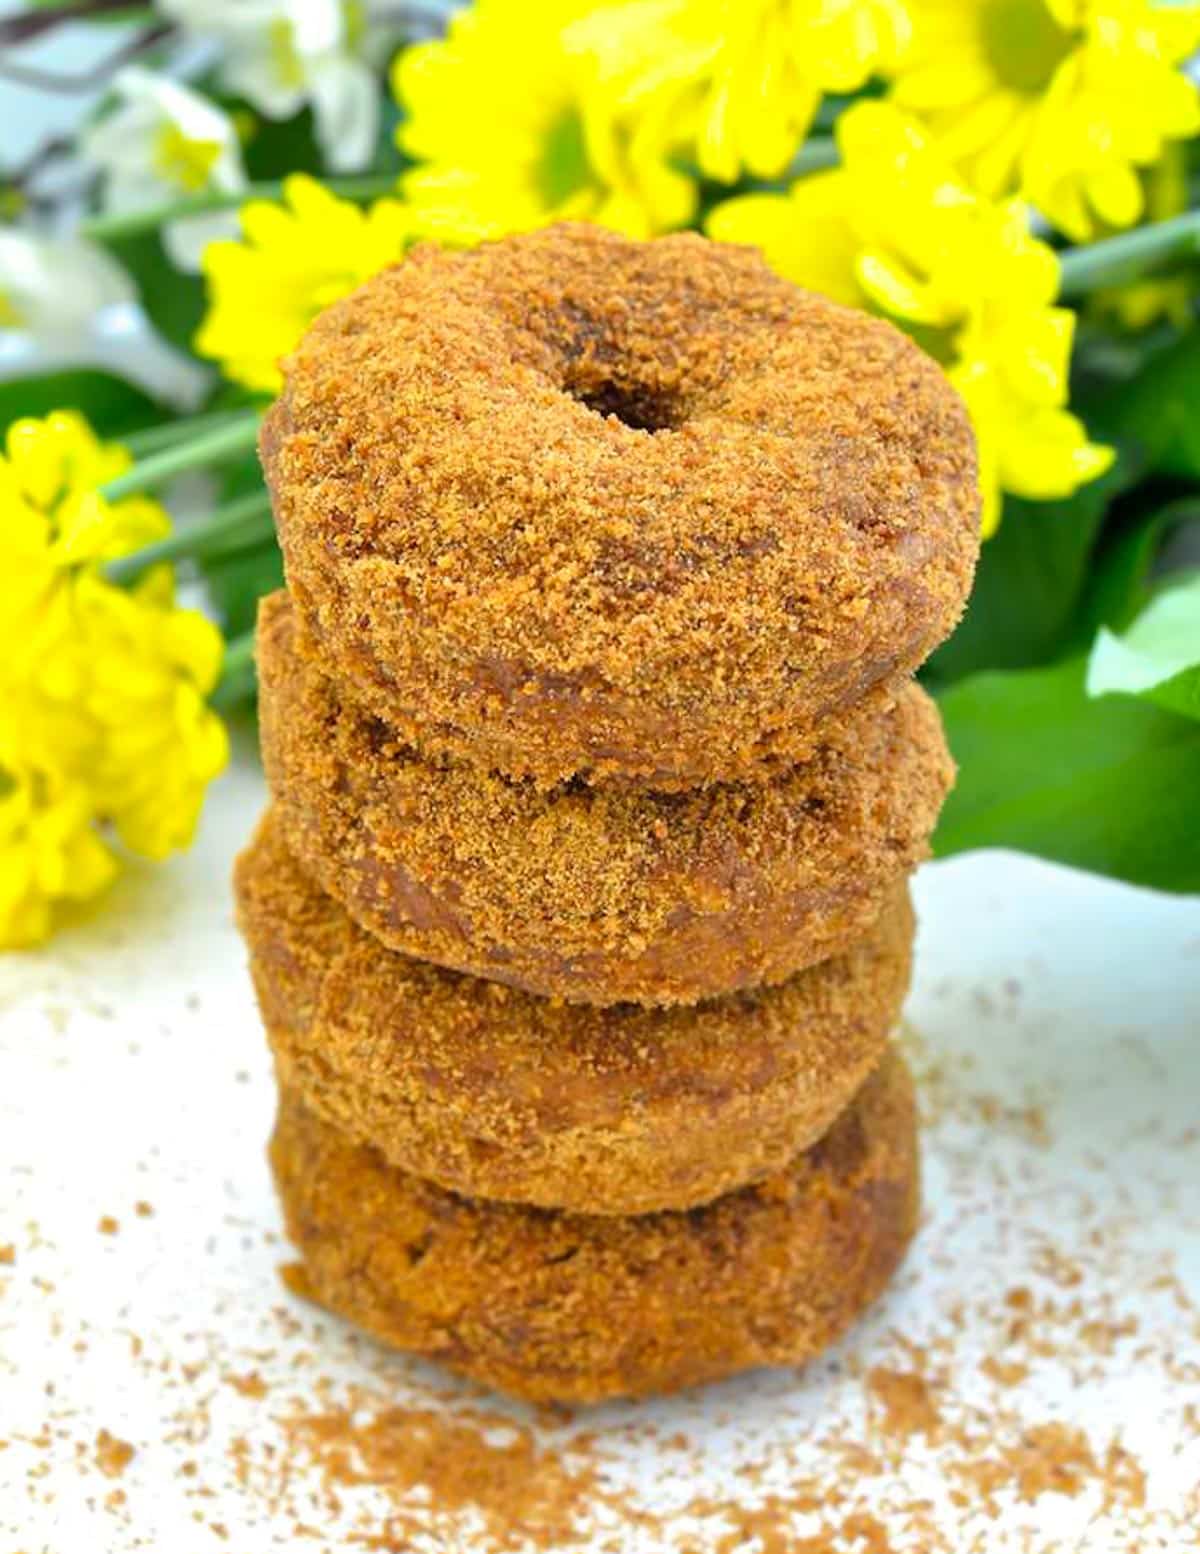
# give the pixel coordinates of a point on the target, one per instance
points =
(496, 1094)
(604, 894)
(575, 1308)
(574, 504)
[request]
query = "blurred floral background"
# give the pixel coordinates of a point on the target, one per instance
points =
(1015, 183)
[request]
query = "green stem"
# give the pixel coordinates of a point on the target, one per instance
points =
(23, 27)
(816, 154)
(237, 673)
(129, 223)
(153, 439)
(1115, 261)
(255, 540)
(241, 517)
(213, 447)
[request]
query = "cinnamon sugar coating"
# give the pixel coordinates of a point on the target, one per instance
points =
(560, 1307)
(571, 503)
(597, 895)
(496, 1094)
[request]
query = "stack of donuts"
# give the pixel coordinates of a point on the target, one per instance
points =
(579, 919)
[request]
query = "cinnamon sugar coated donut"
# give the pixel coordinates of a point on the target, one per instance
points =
(597, 894)
(575, 1308)
(572, 503)
(496, 1094)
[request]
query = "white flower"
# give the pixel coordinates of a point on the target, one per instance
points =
(165, 142)
(66, 303)
(53, 288)
(281, 55)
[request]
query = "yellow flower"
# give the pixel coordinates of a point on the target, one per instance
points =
(49, 474)
(895, 231)
(738, 85)
(294, 259)
(54, 519)
(509, 120)
(150, 668)
(1061, 100)
(49, 851)
(103, 710)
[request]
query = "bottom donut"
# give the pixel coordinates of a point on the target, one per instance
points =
(575, 1308)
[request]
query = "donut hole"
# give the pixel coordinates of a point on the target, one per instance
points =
(642, 406)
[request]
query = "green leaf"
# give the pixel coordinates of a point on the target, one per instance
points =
(1031, 581)
(239, 575)
(1155, 411)
(238, 684)
(236, 583)
(276, 147)
(113, 406)
(1108, 785)
(174, 302)
(1120, 576)
(1158, 658)
(241, 476)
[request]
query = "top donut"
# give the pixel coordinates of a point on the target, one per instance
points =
(574, 504)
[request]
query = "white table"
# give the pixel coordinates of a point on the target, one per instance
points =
(1052, 1299)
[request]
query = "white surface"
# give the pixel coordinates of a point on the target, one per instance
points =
(1058, 1038)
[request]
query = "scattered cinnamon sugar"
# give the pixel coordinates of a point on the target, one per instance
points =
(522, 1492)
(112, 1455)
(905, 1400)
(967, 1416)
(1010, 1373)
(857, 1535)
(1056, 1458)
(536, 1486)
(251, 1385)
(438, 1470)
(770, 1528)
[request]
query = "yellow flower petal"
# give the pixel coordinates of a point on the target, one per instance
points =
(733, 88)
(892, 291)
(559, 138)
(1115, 195)
(805, 234)
(49, 850)
(1061, 100)
(295, 259)
(103, 717)
(893, 229)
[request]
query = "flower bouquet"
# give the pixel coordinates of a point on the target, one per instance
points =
(1011, 182)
